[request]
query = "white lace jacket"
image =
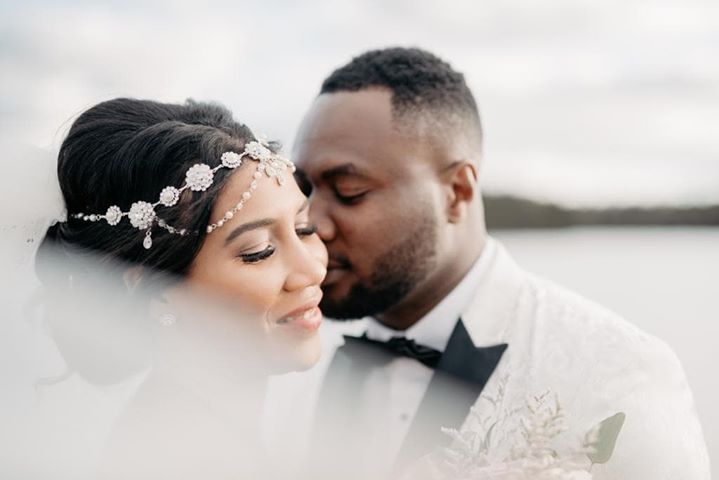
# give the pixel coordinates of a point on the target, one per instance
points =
(598, 365)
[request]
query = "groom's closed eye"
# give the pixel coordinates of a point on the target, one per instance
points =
(347, 182)
(350, 198)
(350, 190)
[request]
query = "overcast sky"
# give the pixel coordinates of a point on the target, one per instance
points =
(584, 102)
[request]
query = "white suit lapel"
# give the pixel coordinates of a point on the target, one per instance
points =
(495, 304)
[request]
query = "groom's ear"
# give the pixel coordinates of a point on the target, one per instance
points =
(462, 188)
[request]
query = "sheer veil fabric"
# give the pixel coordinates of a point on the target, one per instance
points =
(86, 374)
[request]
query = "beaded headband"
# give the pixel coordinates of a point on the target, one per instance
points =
(198, 178)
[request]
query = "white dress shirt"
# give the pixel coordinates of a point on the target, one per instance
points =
(391, 394)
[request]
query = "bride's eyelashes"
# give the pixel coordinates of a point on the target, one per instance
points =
(258, 256)
(306, 231)
(255, 257)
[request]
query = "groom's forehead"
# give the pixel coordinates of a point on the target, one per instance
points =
(328, 168)
(333, 160)
(370, 104)
(353, 134)
(354, 120)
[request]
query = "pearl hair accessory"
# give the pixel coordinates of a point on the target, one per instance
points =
(198, 178)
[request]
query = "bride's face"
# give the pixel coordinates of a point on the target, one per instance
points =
(270, 263)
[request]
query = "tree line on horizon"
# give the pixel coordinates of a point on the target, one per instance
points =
(510, 212)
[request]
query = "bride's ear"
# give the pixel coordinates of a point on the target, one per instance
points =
(161, 311)
(463, 188)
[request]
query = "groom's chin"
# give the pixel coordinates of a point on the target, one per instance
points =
(343, 302)
(360, 301)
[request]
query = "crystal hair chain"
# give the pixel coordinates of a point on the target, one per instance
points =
(198, 178)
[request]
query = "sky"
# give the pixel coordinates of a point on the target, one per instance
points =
(584, 102)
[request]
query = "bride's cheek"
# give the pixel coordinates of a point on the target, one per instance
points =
(260, 294)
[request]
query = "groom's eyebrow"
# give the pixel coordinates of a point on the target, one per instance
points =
(339, 171)
(264, 222)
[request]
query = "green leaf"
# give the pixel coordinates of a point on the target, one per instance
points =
(607, 433)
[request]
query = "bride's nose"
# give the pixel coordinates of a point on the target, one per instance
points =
(308, 266)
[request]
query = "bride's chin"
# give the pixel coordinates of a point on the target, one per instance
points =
(298, 355)
(309, 360)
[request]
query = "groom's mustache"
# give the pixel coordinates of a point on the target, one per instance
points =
(338, 261)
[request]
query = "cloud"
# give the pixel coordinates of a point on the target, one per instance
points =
(625, 83)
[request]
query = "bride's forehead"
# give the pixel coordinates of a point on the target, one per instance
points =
(269, 196)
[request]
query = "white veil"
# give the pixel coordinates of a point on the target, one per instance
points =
(57, 422)
(31, 202)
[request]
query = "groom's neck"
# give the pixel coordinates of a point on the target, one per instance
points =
(429, 293)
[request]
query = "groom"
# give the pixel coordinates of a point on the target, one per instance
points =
(391, 151)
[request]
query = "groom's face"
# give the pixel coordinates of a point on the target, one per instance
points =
(374, 197)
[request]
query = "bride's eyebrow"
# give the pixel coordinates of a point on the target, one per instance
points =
(245, 227)
(264, 222)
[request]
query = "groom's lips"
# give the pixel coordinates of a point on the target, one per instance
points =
(336, 269)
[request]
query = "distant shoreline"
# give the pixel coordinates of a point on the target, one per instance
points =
(507, 212)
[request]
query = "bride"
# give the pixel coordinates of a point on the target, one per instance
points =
(187, 258)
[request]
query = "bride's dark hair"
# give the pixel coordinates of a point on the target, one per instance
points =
(126, 150)
(119, 152)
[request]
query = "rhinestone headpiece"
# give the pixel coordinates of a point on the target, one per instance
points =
(198, 178)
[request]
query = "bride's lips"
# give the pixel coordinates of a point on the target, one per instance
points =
(307, 318)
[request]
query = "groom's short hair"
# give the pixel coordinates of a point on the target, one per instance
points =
(423, 86)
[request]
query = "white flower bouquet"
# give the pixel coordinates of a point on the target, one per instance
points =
(521, 444)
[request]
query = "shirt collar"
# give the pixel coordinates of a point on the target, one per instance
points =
(435, 328)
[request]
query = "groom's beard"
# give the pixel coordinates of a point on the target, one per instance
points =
(394, 275)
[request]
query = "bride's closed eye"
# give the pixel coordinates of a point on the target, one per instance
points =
(265, 253)
(306, 230)
(254, 257)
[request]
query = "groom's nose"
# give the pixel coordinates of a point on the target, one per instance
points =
(320, 216)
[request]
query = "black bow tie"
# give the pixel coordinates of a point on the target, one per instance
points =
(408, 348)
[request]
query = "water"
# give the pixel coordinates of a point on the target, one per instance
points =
(665, 280)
